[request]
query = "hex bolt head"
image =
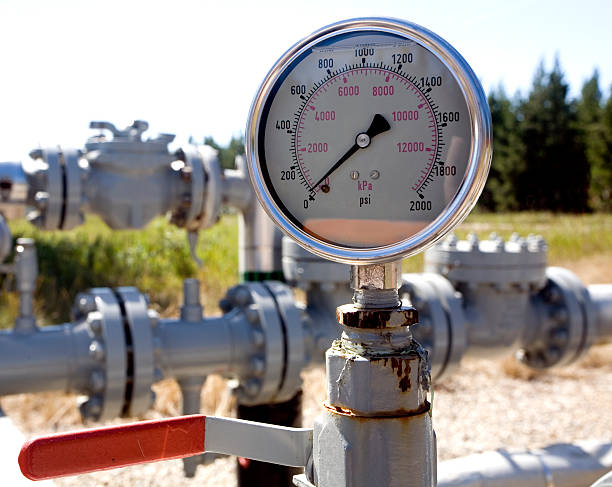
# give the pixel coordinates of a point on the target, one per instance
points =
(252, 387)
(153, 318)
(85, 303)
(96, 350)
(559, 336)
(451, 241)
(91, 408)
(258, 338)
(94, 319)
(242, 297)
(554, 295)
(97, 381)
(225, 305)
(472, 239)
(553, 354)
(258, 366)
(252, 314)
(559, 315)
(41, 199)
(36, 154)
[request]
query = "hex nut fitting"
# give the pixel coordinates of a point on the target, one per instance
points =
(351, 315)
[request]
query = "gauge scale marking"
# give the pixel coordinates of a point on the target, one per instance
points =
(362, 141)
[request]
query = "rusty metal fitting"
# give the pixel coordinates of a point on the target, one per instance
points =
(357, 317)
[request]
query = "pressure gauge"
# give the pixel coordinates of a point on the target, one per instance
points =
(369, 140)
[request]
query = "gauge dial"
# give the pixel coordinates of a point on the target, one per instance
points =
(369, 140)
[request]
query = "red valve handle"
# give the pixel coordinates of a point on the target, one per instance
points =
(109, 447)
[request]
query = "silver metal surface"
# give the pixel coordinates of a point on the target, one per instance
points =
(263, 311)
(516, 263)
(137, 317)
(53, 358)
(258, 441)
(558, 465)
(191, 310)
(295, 358)
(26, 274)
(259, 241)
(52, 214)
(375, 285)
(478, 166)
(601, 296)
(365, 452)
(73, 189)
(6, 239)
(108, 320)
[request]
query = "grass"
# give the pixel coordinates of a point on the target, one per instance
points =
(569, 237)
(157, 259)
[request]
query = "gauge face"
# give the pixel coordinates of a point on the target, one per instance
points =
(365, 140)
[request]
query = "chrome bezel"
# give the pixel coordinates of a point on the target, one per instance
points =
(477, 169)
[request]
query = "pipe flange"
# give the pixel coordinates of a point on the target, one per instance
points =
(73, 191)
(566, 325)
(206, 191)
(48, 200)
(516, 263)
(291, 318)
(278, 344)
(102, 313)
(136, 314)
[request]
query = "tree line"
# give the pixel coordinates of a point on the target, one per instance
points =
(550, 152)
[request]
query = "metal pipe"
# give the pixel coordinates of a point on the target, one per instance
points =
(26, 274)
(601, 295)
(48, 359)
(213, 346)
(191, 310)
(559, 465)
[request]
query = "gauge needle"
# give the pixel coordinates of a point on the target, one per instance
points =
(378, 126)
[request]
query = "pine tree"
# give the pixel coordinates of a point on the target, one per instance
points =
(557, 171)
(604, 173)
(590, 122)
(500, 191)
(227, 155)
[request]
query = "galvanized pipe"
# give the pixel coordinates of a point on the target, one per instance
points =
(213, 346)
(560, 465)
(51, 358)
(26, 273)
(601, 295)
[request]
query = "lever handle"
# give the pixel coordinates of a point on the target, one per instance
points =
(111, 447)
(94, 449)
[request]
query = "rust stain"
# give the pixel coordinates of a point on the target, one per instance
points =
(401, 367)
(423, 409)
(350, 315)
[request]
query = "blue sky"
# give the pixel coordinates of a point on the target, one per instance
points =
(192, 68)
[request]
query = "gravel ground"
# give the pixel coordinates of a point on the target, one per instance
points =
(485, 405)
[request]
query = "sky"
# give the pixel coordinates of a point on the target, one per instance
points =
(192, 68)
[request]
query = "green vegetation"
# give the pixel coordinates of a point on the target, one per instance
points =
(156, 259)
